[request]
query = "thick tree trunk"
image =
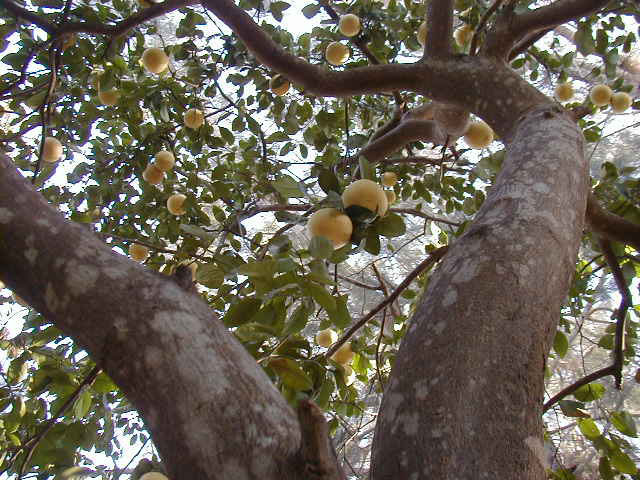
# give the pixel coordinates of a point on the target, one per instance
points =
(212, 411)
(464, 400)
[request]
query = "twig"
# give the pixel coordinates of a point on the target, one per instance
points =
(428, 262)
(31, 444)
(616, 368)
(481, 24)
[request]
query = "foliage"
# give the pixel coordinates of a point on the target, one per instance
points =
(277, 157)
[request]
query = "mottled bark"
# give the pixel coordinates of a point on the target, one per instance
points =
(464, 400)
(212, 411)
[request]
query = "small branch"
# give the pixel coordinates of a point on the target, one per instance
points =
(481, 24)
(31, 444)
(317, 453)
(433, 257)
(358, 284)
(385, 290)
(439, 29)
(610, 226)
(418, 213)
(621, 313)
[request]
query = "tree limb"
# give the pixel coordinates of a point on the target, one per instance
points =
(439, 29)
(433, 257)
(553, 15)
(610, 226)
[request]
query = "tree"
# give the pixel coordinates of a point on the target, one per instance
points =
(218, 376)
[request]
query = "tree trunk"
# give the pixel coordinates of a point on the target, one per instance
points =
(212, 411)
(465, 395)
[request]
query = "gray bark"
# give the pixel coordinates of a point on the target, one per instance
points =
(465, 395)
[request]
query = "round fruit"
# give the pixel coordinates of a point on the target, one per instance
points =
(164, 160)
(389, 179)
(325, 338)
(620, 102)
(479, 135)
(422, 33)
(193, 118)
(139, 253)
(463, 35)
(391, 196)
(349, 25)
(109, 97)
(155, 60)
(564, 92)
(336, 53)
(332, 224)
(279, 85)
(367, 194)
(52, 150)
(600, 95)
(153, 174)
(175, 204)
(343, 355)
(154, 476)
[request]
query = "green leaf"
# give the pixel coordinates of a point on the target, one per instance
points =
(320, 247)
(263, 269)
(604, 468)
(573, 409)
(391, 225)
(298, 320)
(589, 428)
(340, 316)
(210, 275)
(288, 187)
(311, 10)
(321, 296)
(242, 312)
(328, 181)
(624, 423)
(372, 243)
(622, 462)
(291, 374)
(590, 392)
(560, 344)
(82, 405)
(366, 170)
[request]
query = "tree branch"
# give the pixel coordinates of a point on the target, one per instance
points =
(439, 29)
(621, 313)
(553, 15)
(610, 226)
(433, 257)
(315, 79)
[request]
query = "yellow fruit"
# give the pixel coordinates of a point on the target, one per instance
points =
(52, 150)
(164, 160)
(348, 375)
(279, 85)
(109, 97)
(175, 204)
(194, 270)
(479, 135)
(389, 179)
(391, 196)
(367, 194)
(153, 174)
(600, 95)
(336, 53)
(155, 60)
(463, 35)
(343, 355)
(620, 102)
(139, 253)
(349, 25)
(330, 223)
(193, 118)
(154, 476)
(422, 33)
(564, 92)
(325, 338)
